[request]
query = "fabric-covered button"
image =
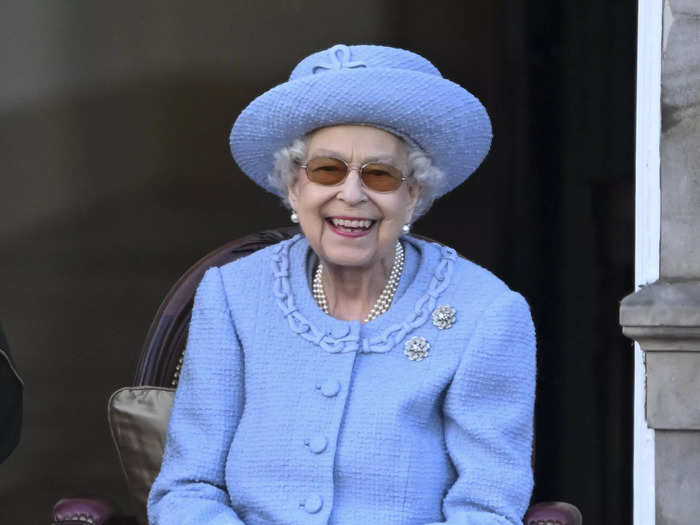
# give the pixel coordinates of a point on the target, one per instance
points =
(330, 387)
(340, 331)
(312, 504)
(318, 444)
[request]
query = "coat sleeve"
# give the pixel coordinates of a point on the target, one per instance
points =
(191, 488)
(488, 419)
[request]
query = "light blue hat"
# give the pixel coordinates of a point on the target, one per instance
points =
(389, 88)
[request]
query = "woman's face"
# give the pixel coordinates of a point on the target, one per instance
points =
(324, 210)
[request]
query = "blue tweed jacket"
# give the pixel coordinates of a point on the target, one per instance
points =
(286, 415)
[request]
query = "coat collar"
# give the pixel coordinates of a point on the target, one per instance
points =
(430, 265)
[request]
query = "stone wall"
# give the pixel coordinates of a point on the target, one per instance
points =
(664, 317)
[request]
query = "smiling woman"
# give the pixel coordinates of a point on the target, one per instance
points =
(354, 374)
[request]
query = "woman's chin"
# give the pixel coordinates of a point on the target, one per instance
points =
(348, 258)
(361, 251)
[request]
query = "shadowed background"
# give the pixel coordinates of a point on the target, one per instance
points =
(116, 176)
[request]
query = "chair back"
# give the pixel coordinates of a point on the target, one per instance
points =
(162, 353)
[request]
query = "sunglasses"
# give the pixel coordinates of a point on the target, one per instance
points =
(376, 176)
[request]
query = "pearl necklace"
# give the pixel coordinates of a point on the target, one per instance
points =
(385, 298)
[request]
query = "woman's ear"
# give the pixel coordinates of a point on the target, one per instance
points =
(413, 194)
(293, 194)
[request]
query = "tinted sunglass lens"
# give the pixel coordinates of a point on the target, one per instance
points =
(326, 171)
(381, 177)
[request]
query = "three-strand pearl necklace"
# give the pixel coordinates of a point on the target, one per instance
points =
(385, 298)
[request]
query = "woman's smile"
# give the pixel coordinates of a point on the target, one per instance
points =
(351, 226)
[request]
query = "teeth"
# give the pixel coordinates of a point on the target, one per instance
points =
(345, 223)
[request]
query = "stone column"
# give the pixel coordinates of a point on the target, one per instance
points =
(664, 317)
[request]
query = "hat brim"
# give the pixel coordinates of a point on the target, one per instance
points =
(439, 116)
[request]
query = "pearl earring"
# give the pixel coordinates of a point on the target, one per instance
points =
(406, 228)
(294, 217)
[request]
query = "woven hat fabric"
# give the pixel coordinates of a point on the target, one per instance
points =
(388, 88)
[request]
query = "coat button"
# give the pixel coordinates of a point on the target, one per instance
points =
(318, 444)
(340, 331)
(330, 387)
(312, 504)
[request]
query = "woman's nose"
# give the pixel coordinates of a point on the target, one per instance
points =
(352, 191)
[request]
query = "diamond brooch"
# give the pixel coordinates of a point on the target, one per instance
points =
(444, 316)
(416, 348)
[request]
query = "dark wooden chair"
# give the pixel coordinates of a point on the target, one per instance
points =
(159, 366)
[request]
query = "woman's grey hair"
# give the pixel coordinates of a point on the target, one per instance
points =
(420, 171)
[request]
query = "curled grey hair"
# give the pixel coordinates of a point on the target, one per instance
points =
(420, 168)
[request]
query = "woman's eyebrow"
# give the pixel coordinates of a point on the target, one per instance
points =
(322, 152)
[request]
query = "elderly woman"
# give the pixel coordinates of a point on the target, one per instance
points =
(354, 374)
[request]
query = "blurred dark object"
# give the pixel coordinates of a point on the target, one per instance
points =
(11, 388)
(159, 366)
(95, 511)
(553, 513)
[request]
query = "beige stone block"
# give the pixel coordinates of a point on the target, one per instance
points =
(677, 479)
(673, 390)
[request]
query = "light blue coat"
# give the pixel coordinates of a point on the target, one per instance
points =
(285, 415)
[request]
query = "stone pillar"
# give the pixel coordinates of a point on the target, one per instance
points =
(664, 317)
